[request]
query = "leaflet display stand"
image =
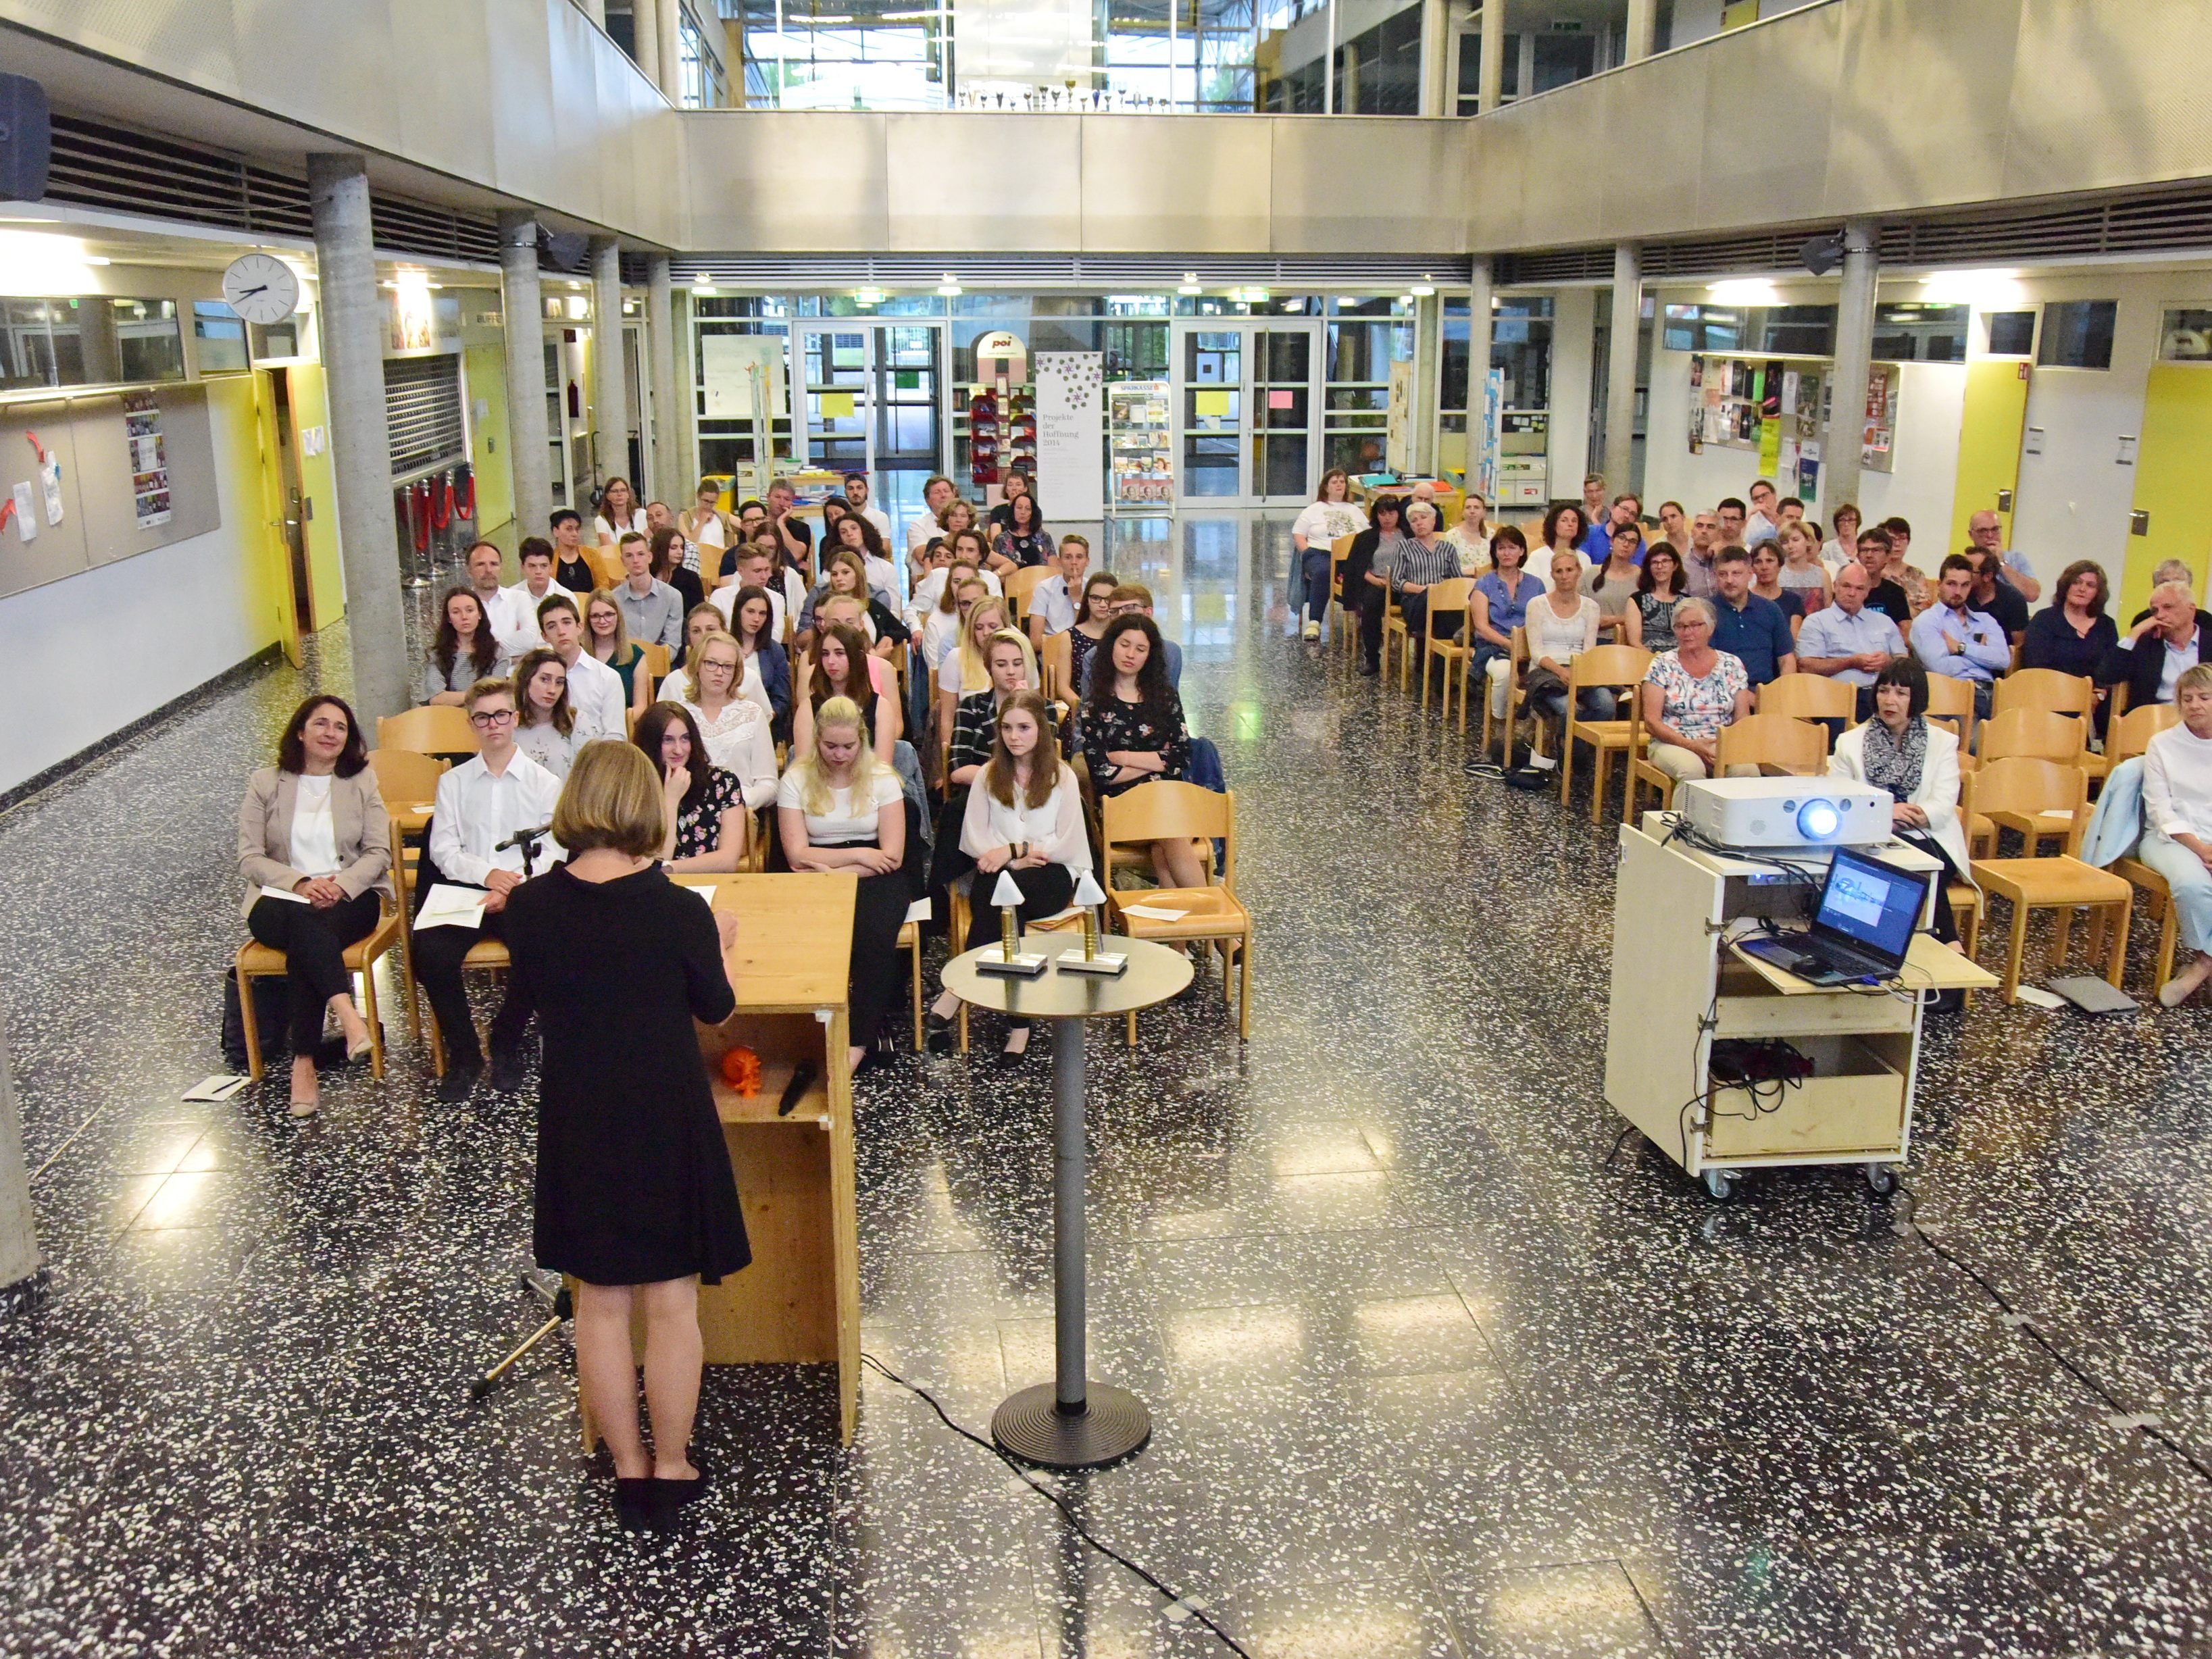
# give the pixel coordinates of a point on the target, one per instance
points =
(1070, 1423)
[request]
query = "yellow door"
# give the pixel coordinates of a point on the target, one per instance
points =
(278, 582)
(319, 494)
(2172, 504)
(1990, 434)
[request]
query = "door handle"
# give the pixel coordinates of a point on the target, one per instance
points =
(2004, 500)
(2139, 523)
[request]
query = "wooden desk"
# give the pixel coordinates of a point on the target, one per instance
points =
(1676, 991)
(799, 1301)
(1449, 499)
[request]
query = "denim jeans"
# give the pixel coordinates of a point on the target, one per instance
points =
(1316, 575)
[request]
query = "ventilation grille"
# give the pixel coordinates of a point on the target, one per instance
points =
(1069, 270)
(422, 411)
(121, 171)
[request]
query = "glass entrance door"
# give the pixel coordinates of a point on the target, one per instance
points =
(1245, 402)
(874, 393)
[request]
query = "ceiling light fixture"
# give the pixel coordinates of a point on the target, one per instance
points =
(949, 286)
(1189, 284)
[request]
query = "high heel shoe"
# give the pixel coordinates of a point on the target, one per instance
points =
(358, 1052)
(936, 1029)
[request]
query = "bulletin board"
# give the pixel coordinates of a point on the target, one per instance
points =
(124, 480)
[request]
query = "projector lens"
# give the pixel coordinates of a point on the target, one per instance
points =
(1818, 820)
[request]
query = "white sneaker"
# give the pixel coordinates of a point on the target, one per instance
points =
(1313, 629)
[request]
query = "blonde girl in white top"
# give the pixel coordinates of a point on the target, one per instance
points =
(1561, 626)
(841, 808)
(1024, 819)
(1471, 535)
(733, 725)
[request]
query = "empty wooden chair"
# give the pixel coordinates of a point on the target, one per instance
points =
(1810, 697)
(1020, 585)
(1951, 701)
(486, 956)
(1774, 743)
(1620, 668)
(1162, 811)
(1054, 659)
(2018, 792)
(2046, 688)
(434, 729)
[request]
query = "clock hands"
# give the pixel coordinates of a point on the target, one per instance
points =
(247, 294)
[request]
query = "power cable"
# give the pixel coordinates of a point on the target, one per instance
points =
(1175, 1598)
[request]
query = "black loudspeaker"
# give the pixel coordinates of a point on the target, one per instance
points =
(26, 139)
(565, 249)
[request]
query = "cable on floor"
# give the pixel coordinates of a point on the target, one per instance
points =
(2022, 1321)
(1175, 1598)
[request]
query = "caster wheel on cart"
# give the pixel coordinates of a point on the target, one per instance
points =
(1882, 1178)
(1721, 1183)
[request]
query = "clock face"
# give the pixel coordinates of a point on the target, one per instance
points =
(261, 288)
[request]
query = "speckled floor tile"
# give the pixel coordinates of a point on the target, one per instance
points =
(1435, 1368)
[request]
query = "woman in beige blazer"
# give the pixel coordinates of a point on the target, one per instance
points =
(314, 849)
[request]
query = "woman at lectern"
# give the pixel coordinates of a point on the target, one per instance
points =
(1918, 765)
(1024, 819)
(635, 1198)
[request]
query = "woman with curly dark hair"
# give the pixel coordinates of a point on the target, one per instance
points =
(1132, 730)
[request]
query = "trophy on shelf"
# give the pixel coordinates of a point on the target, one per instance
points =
(1011, 962)
(1090, 959)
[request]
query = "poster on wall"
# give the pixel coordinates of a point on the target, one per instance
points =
(1071, 434)
(150, 458)
(1398, 434)
(1493, 406)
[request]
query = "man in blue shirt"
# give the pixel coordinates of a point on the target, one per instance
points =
(1849, 641)
(1749, 629)
(1949, 638)
(1597, 540)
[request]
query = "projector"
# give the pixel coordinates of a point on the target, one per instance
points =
(1784, 811)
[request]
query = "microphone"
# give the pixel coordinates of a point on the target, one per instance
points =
(525, 838)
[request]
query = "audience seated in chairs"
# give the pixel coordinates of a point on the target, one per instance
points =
(1952, 638)
(1404, 570)
(1692, 692)
(1023, 818)
(2072, 634)
(752, 625)
(595, 691)
(515, 621)
(841, 808)
(1499, 603)
(842, 666)
(1613, 583)
(545, 727)
(2177, 834)
(709, 807)
(465, 649)
(1650, 622)
(1313, 535)
(482, 803)
(1362, 586)
(607, 641)
(2163, 643)
(1563, 624)
(1132, 730)
(315, 826)
(1135, 599)
(1051, 602)
(733, 727)
(1099, 590)
(1847, 639)
(1751, 629)
(574, 568)
(1898, 751)
(652, 609)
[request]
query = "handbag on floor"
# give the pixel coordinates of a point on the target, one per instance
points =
(270, 1015)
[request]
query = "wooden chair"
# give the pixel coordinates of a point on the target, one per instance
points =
(2131, 735)
(1618, 668)
(433, 729)
(1393, 627)
(258, 961)
(408, 783)
(1774, 743)
(656, 661)
(1161, 811)
(2025, 734)
(1347, 619)
(1019, 587)
(1516, 666)
(2046, 688)
(2016, 793)
(1449, 597)
(1951, 703)
(488, 955)
(909, 940)
(1810, 697)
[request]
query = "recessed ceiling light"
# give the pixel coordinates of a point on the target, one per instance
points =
(1189, 284)
(1422, 290)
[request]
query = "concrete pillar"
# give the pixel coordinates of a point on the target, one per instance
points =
(594, 9)
(1435, 57)
(1428, 346)
(1478, 379)
(1643, 30)
(609, 384)
(670, 51)
(22, 1265)
(352, 332)
(1493, 54)
(663, 444)
(1839, 447)
(528, 442)
(644, 36)
(1620, 367)
(1574, 346)
(687, 394)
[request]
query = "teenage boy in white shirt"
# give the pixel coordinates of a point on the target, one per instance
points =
(595, 691)
(517, 627)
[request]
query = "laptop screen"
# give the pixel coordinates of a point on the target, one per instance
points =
(1870, 904)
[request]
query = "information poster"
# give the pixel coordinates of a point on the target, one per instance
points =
(149, 458)
(1071, 434)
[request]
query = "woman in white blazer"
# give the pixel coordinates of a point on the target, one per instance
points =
(315, 850)
(1898, 750)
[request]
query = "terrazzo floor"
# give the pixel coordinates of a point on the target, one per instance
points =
(1431, 1373)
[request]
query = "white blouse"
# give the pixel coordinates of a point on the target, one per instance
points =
(1560, 638)
(607, 530)
(1321, 522)
(314, 831)
(739, 744)
(1055, 828)
(2177, 785)
(845, 823)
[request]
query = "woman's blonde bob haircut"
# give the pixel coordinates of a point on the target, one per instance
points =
(612, 797)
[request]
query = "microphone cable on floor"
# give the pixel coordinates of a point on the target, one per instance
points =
(1175, 1599)
(2020, 1321)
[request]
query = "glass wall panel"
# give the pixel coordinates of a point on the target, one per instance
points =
(1379, 71)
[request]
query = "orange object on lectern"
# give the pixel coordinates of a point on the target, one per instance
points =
(741, 1070)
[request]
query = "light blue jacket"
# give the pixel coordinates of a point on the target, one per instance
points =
(2116, 824)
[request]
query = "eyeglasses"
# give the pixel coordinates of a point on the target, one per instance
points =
(484, 722)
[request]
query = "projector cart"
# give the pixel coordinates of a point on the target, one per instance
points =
(1678, 986)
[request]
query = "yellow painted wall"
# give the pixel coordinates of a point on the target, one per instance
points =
(1990, 431)
(318, 484)
(2171, 480)
(484, 371)
(235, 422)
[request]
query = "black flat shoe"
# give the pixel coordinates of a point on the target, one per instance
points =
(673, 1495)
(637, 1505)
(1011, 1060)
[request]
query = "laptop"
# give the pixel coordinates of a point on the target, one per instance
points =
(1861, 927)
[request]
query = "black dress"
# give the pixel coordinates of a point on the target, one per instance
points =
(634, 1181)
